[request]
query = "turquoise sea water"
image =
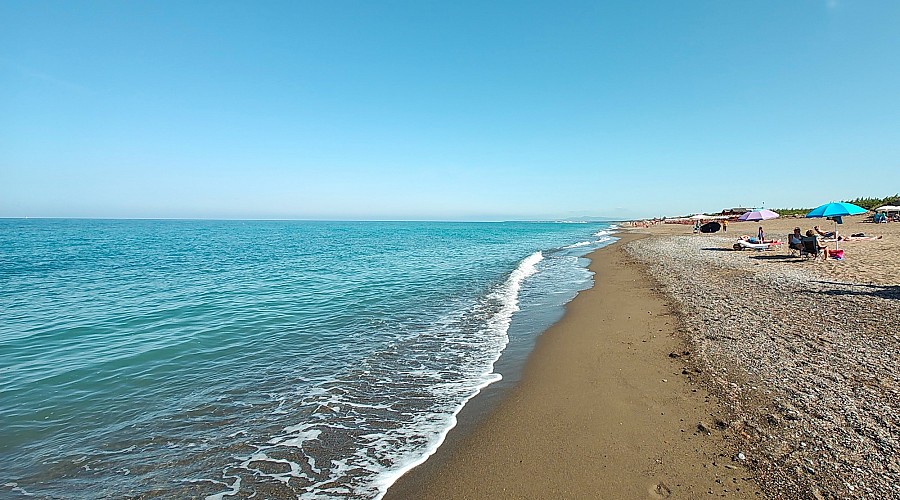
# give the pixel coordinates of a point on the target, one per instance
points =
(176, 359)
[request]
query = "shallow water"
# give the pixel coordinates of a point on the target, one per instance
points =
(211, 358)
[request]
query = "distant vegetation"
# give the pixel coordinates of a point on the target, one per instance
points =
(873, 203)
(867, 203)
(791, 211)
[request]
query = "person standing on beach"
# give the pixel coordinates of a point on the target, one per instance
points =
(761, 235)
(724, 225)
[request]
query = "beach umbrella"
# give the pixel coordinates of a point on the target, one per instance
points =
(834, 209)
(757, 215)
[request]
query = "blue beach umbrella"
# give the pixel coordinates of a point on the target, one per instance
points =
(835, 210)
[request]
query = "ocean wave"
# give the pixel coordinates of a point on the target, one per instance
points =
(275, 359)
(393, 411)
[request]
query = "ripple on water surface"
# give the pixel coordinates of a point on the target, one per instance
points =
(190, 358)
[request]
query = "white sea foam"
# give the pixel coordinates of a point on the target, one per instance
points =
(387, 454)
(448, 365)
(297, 438)
(509, 293)
(22, 492)
(233, 489)
(15, 488)
(498, 324)
(384, 480)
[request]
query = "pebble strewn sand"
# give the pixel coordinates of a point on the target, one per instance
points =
(804, 354)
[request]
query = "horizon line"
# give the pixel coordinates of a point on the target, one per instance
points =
(263, 219)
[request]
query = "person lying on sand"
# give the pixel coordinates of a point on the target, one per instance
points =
(750, 239)
(754, 240)
(829, 234)
(859, 237)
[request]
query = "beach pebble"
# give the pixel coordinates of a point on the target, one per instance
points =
(804, 364)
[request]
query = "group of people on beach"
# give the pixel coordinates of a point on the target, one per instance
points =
(829, 235)
(760, 237)
(882, 217)
(644, 223)
(814, 241)
(795, 239)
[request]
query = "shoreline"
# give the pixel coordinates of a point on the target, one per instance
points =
(601, 409)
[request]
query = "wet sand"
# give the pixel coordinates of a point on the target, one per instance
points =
(609, 406)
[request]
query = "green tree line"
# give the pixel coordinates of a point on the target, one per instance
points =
(867, 203)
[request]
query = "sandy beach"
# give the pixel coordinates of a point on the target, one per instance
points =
(803, 353)
(691, 369)
(867, 261)
(610, 406)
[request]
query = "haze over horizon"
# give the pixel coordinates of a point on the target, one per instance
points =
(461, 111)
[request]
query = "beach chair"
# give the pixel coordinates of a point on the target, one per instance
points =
(810, 247)
(741, 244)
(795, 248)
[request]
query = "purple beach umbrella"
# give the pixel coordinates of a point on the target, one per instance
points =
(758, 215)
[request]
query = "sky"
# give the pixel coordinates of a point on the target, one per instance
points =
(453, 110)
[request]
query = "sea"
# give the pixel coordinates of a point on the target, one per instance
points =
(273, 359)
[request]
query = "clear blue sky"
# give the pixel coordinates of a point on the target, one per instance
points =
(444, 110)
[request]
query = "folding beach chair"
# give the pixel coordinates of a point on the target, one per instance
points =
(810, 247)
(794, 247)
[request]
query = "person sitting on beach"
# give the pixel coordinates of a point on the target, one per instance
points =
(811, 236)
(795, 240)
(829, 234)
